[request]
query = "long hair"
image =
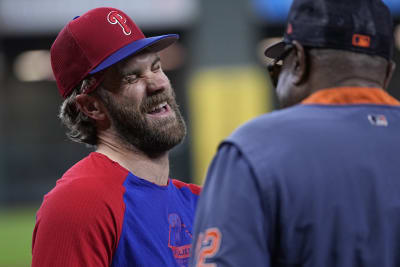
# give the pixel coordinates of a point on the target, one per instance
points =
(80, 128)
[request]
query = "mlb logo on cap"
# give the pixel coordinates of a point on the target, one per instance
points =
(361, 40)
(378, 120)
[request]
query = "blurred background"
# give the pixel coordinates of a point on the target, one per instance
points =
(217, 70)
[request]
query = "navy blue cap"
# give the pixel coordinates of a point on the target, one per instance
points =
(363, 26)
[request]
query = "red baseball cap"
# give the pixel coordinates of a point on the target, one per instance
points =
(96, 40)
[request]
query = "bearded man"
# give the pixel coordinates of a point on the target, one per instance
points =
(117, 206)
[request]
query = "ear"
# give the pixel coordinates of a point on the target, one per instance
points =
(92, 107)
(389, 73)
(299, 63)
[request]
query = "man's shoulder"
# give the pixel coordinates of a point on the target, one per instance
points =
(83, 211)
(193, 188)
(281, 132)
(276, 123)
(97, 166)
(95, 179)
(186, 194)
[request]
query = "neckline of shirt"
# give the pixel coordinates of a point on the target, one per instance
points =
(351, 96)
(136, 178)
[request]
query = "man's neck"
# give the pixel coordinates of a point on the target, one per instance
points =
(153, 169)
(323, 82)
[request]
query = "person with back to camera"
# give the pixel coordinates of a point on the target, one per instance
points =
(317, 183)
(117, 206)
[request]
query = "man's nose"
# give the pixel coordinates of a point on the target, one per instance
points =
(156, 82)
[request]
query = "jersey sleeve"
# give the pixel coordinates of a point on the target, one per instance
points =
(230, 228)
(76, 226)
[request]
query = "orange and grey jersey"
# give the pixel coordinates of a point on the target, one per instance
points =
(317, 184)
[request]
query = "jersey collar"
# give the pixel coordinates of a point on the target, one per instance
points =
(351, 95)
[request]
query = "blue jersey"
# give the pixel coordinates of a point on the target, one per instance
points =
(100, 214)
(317, 184)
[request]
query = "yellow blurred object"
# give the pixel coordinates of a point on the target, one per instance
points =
(221, 99)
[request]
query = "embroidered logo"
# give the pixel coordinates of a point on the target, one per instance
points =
(361, 40)
(114, 18)
(378, 120)
(180, 239)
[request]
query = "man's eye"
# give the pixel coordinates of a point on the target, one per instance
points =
(130, 78)
(156, 67)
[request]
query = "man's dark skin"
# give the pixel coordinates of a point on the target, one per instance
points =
(306, 71)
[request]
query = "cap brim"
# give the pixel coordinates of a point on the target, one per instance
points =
(275, 50)
(155, 43)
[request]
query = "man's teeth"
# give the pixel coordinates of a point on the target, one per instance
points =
(159, 107)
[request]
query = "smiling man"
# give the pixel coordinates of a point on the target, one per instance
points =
(117, 206)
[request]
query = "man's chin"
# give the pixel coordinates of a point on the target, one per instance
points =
(160, 148)
(159, 138)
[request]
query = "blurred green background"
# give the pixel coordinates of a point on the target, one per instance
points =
(16, 226)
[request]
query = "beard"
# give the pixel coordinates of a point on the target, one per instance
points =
(154, 136)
